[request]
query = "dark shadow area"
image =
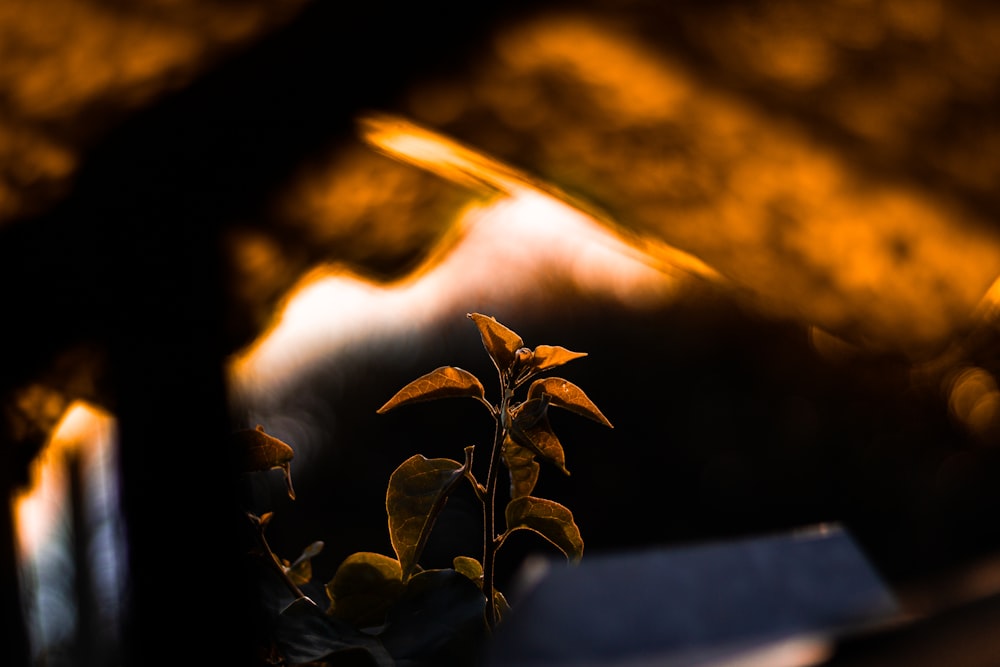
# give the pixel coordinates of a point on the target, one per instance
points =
(131, 262)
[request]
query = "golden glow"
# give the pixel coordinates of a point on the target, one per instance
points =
(448, 158)
(516, 249)
(84, 430)
(80, 453)
(58, 55)
(764, 199)
(516, 241)
(429, 150)
(65, 60)
(974, 400)
(988, 308)
(636, 84)
(832, 347)
(801, 651)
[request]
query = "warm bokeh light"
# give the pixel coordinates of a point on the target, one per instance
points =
(68, 68)
(517, 249)
(82, 444)
(974, 400)
(429, 150)
(816, 229)
(82, 430)
(803, 651)
(434, 152)
(887, 71)
(868, 266)
(522, 240)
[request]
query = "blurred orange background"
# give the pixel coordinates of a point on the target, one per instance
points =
(829, 165)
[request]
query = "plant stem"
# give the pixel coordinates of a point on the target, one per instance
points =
(489, 511)
(273, 560)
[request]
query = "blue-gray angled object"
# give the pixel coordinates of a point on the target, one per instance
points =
(698, 604)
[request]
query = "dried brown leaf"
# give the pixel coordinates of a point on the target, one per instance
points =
(500, 342)
(442, 382)
(545, 357)
(549, 519)
(418, 490)
(537, 436)
(564, 394)
(522, 466)
(253, 450)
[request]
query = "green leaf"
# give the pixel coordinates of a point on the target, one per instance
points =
(418, 490)
(500, 342)
(545, 357)
(363, 588)
(253, 450)
(443, 382)
(535, 433)
(470, 567)
(549, 519)
(522, 466)
(564, 394)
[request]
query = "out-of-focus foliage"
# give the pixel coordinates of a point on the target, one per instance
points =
(69, 70)
(833, 158)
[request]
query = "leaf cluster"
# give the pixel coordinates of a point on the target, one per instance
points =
(384, 610)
